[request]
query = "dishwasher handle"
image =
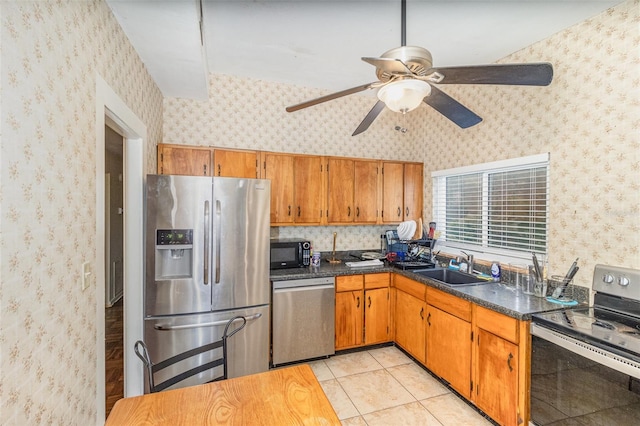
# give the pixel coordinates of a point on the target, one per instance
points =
(306, 288)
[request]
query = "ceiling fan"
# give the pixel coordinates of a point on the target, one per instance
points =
(406, 77)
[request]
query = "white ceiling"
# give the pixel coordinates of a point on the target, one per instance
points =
(319, 43)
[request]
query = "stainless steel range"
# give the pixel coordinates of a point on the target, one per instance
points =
(585, 362)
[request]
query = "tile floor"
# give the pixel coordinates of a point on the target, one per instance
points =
(383, 386)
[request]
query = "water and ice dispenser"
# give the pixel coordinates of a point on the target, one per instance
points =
(174, 253)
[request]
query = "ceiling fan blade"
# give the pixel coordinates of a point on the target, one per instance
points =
(373, 114)
(452, 109)
(390, 65)
(534, 74)
(330, 97)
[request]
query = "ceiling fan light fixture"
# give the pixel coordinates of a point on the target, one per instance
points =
(404, 95)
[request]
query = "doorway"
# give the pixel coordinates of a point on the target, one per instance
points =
(112, 111)
(114, 264)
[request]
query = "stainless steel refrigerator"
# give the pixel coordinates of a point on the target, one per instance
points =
(207, 260)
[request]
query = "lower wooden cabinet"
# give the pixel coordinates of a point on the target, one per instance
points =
(496, 390)
(376, 316)
(362, 310)
(410, 314)
(484, 355)
(501, 366)
(449, 349)
(349, 318)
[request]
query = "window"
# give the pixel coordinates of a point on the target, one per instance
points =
(499, 207)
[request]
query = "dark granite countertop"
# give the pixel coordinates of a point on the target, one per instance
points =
(495, 296)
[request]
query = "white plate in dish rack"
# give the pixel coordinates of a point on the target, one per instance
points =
(407, 229)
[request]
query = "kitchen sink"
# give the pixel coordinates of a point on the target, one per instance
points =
(449, 277)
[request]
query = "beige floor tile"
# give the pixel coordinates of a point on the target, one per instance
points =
(390, 356)
(353, 363)
(374, 391)
(451, 411)
(353, 421)
(410, 414)
(417, 381)
(321, 370)
(339, 400)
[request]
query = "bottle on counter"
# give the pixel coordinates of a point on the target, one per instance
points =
(495, 271)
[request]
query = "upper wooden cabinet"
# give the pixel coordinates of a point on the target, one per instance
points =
(205, 161)
(413, 190)
(308, 174)
(278, 168)
(352, 191)
(296, 188)
(235, 163)
(184, 160)
(401, 191)
(310, 189)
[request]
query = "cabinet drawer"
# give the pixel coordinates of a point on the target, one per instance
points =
(376, 280)
(409, 286)
(498, 324)
(449, 303)
(349, 282)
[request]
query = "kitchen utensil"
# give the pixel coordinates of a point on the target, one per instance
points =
(333, 253)
(561, 291)
(371, 255)
(536, 266)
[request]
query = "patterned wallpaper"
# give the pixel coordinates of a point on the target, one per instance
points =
(51, 53)
(588, 119)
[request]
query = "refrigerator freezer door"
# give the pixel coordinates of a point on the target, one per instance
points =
(240, 243)
(248, 350)
(178, 216)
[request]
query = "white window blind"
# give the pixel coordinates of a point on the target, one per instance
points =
(499, 207)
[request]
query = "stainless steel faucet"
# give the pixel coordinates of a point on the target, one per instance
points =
(469, 261)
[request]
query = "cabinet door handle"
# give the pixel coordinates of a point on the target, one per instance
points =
(358, 304)
(298, 211)
(399, 212)
(349, 211)
(289, 210)
(429, 319)
(509, 358)
(357, 211)
(422, 313)
(204, 169)
(218, 169)
(369, 302)
(407, 210)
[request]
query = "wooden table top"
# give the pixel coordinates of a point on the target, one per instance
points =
(287, 396)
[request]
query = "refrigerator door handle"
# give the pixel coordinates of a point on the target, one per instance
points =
(169, 327)
(207, 233)
(218, 238)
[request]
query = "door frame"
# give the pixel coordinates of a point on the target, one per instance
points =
(111, 109)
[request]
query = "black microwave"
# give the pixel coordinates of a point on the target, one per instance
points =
(290, 253)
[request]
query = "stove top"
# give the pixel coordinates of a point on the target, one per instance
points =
(606, 329)
(613, 323)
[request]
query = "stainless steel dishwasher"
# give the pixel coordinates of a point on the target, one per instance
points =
(303, 319)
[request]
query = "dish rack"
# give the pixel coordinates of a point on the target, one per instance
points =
(410, 254)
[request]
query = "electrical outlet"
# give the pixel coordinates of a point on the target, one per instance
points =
(86, 275)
